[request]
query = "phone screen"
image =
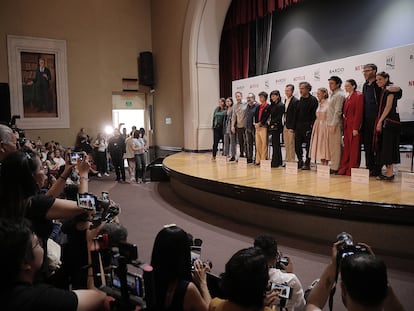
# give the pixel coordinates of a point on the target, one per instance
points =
(283, 291)
(86, 201)
(74, 156)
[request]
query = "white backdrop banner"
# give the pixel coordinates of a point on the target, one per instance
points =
(398, 62)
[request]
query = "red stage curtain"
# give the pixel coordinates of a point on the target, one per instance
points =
(235, 38)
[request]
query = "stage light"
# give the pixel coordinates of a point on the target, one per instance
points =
(109, 130)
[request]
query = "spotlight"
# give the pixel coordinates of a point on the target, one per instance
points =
(109, 130)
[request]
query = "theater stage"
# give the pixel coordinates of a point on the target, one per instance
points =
(305, 205)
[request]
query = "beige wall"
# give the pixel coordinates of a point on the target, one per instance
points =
(167, 34)
(104, 38)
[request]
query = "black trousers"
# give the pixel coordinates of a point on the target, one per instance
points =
(118, 163)
(240, 137)
(277, 151)
(140, 166)
(372, 158)
(101, 162)
(217, 136)
(302, 136)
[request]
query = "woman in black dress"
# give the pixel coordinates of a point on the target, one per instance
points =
(387, 128)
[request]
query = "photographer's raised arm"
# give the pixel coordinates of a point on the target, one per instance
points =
(58, 187)
(83, 169)
(320, 293)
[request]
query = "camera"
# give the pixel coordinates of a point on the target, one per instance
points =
(347, 247)
(196, 254)
(282, 290)
(106, 210)
(74, 156)
(282, 262)
(135, 283)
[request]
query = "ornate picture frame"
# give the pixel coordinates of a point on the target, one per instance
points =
(38, 82)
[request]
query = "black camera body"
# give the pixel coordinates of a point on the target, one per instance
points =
(282, 262)
(347, 247)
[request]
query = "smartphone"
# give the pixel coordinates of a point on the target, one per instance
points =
(283, 290)
(86, 201)
(134, 281)
(74, 156)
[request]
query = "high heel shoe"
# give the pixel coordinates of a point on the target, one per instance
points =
(387, 178)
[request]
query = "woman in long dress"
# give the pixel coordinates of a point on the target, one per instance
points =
(319, 146)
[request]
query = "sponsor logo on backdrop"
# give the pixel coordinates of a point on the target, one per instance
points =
(267, 84)
(359, 67)
(299, 78)
(411, 57)
(411, 83)
(317, 75)
(240, 88)
(390, 62)
(337, 71)
(254, 86)
(280, 81)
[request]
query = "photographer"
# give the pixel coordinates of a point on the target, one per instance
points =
(364, 283)
(244, 282)
(173, 279)
(18, 291)
(281, 272)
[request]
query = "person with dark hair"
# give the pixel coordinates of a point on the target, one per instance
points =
(116, 149)
(250, 130)
(277, 109)
(238, 121)
(218, 125)
(364, 284)
(268, 246)
(353, 114)
(244, 282)
(100, 146)
(18, 290)
(261, 117)
(288, 122)
(372, 94)
(335, 122)
(319, 145)
(229, 138)
(173, 279)
(304, 118)
(138, 145)
(387, 128)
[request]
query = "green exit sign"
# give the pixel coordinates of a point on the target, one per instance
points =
(128, 104)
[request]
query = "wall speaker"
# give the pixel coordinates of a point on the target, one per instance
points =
(145, 69)
(5, 114)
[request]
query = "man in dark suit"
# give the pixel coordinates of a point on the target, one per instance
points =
(304, 118)
(289, 121)
(117, 149)
(41, 87)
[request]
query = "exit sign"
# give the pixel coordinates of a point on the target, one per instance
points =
(128, 104)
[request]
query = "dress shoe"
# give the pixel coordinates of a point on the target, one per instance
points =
(300, 164)
(305, 167)
(386, 178)
(333, 172)
(249, 161)
(232, 159)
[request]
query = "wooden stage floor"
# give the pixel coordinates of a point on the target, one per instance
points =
(304, 183)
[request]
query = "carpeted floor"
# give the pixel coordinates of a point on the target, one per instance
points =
(147, 207)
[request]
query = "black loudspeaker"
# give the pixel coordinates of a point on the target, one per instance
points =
(5, 114)
(145, 69)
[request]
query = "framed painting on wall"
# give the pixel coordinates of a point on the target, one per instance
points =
(38, 82)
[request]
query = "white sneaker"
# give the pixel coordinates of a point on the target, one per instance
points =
(106, 174)
(132, 179)
(99, 175)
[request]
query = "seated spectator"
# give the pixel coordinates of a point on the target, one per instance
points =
(51, 164)
(18, 292)
(268, 246)
(244, 282)
(364, 284)
(174, 284)
(58, 159)
(8, 141)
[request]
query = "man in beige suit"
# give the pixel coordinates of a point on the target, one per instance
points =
(335, 122)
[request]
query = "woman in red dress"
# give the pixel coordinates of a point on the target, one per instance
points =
(353, 112)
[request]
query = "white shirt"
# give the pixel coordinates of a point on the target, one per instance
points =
(297, 302)
(59, 161)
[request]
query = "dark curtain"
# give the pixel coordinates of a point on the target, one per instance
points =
(246, 40)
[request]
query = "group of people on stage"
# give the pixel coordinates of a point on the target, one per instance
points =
(331, 125)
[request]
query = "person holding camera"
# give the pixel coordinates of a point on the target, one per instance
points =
(244, 282)
(176, 286)
(364, 282)
(18, 289)
(281, 275)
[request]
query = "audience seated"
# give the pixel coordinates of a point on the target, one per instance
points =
(18, 291)
(175, 284)
(244, 282)
(268, 246)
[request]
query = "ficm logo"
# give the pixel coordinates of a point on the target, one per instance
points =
(266, 83)
(337, 71)
(390, 62)
(317, 75)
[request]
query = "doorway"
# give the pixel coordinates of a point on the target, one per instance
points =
(128, 117)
